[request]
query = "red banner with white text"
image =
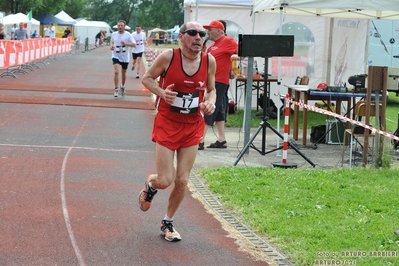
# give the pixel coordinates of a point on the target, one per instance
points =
(16, 53)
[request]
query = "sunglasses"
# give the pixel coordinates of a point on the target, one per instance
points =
(201, 33)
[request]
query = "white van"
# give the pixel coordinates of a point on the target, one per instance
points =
(384, 49)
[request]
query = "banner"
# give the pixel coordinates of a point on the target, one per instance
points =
(15, 53)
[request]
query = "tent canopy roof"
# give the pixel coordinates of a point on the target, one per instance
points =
(126, 27)
(156, 30)
(17, 18)
(218, 2)
(47, 19)
(65, 17)
(370, 9)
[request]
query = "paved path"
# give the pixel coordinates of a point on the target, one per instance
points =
(73, 159)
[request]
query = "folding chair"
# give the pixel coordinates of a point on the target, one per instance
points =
(356, 132)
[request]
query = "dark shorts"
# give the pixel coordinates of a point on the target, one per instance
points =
(137, 55)
(221, 105)
(123, 64)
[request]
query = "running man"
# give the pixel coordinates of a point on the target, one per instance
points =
(137, 52)
(185, 91)
(120, 43)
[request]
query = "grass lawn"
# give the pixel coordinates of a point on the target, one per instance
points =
(316, 214)
(309, 214)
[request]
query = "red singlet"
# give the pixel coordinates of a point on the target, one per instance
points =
(181, 124)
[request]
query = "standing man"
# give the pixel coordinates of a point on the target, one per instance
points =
(3, 33)
(98, 38)
(46, 31)
(156, 38)
(186, 90)
(120, 43)
(67, 32)
(21, 33)
(52, 30)
(13, 29)
(222, 49)
(137, 52)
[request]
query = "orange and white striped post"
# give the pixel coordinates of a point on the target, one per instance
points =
(284, 163)
(286, 127)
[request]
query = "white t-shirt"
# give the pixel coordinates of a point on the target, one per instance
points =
(121, 52)
(140, 41)
(52, 32)
(46, 32)
(13, 32)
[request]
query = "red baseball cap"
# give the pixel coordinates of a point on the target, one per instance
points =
(215, 24)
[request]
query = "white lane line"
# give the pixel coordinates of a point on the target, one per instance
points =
(65, 211)
(74, 243)
(75, 148)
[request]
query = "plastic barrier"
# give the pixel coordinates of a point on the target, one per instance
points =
(16, 53)
(151, 55)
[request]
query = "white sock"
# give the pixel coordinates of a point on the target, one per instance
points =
(167, 218)
(151, 188)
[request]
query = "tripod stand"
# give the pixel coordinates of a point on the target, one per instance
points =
(263, 126)
(253, 45)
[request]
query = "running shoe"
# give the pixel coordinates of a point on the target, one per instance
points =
(123, 90)
(201, 146)
(137, 76)
(169, 231)
(145, 197)
(133, 67)
(116, 92)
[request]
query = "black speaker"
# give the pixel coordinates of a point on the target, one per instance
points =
(265, 45)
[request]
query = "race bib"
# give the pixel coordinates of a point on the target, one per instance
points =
(185, 103)
(120, 49)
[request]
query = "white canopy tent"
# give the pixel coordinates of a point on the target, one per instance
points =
(12, 19)
(343, 15)
(88, 29)
(65, 17)
(151, 33)
(247, 22)
(360, 9)
(338, 10)
(335, 25)
(127, 27)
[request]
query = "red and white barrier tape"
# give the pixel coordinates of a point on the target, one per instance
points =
(325, 112)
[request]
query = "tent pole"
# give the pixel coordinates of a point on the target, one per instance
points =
(329, 51)
(253, 23)
(279, 103)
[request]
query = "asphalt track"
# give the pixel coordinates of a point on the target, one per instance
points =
(73, 160)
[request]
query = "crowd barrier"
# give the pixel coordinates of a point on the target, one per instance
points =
(150, 55)
(18, 53)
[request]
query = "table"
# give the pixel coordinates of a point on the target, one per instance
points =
(257, 84)
(318, 95)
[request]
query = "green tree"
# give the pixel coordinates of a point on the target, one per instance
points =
(16, 6)
(74, 8)
(51, 7)
(161, 13)
(147, 13)
(111, 12)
